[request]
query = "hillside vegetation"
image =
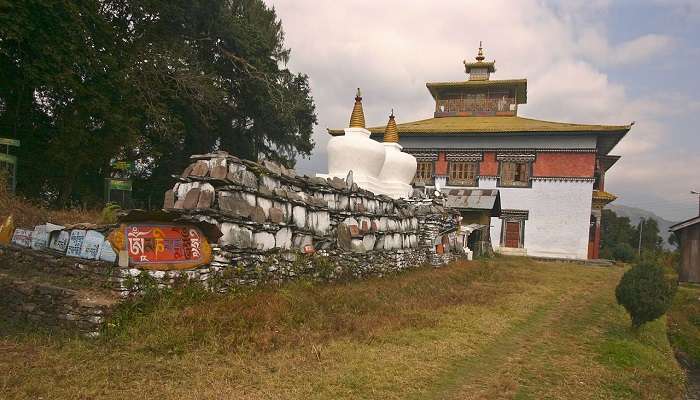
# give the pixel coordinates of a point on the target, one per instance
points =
(506, 328)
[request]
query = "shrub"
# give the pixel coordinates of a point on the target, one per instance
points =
(623, 252)
(645, 292)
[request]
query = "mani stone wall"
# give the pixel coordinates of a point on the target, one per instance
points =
(276, 225)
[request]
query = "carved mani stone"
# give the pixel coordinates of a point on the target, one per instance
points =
(191, 199)
(276, 215)
(206, 197)
(169, 200)
(201, 168)
(344, 236)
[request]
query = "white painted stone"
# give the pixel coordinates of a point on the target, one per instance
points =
(92, 243)
(59, 241)
(75, 242)
(283, 238)
(40, 238)
(265, 204)
(264, 240)
(22, 237)
(368, 241)
(322, 222)
(299, 216)
(107, 253)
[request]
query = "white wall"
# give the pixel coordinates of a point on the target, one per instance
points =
(559, 216)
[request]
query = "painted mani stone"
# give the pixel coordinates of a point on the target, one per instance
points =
(75, 242)
(92, 244)
(59, 241)
(22, 237)
(162, 246)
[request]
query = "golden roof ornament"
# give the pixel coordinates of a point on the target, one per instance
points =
(391, 133)
(480, 56)
(357, 119)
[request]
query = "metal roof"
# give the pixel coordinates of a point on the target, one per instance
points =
(474, 199)
(685, 224)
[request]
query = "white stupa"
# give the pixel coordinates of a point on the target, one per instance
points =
(378, 167)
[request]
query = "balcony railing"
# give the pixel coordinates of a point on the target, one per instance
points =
(503, 105)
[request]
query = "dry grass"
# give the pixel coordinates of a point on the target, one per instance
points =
(28, 213)
(508, 328)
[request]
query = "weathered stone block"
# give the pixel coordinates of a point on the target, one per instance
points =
(169, 199)
(235, 235)
(206, 196)
(368, 241)
(258, 215)
(283, 238)
(276, 215)
(201, 168)
(191, 199)
(299, 216)
(264, 240)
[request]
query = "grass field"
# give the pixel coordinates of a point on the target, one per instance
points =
(506, 328)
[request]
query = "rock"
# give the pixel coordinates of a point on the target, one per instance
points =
(264, 240)
(276, 215)
(358, 246)
(243, 178)
(218, 168)
(272, 167)
(258, 215)
(283, 238)
(107, 253)
(368, 241)
(59, 241)
(364, 228)
(40, 238)
(299, 216)
(92, 243)
(344, 236)
(265, 205)
(22, 237)
(188, 171)
(338, 183)
(206, 196)
(169, 199)
(268, 183)
(201, 168)
(75, 242)
(235, 235)
(349, 181)
(235, 206)
(191, 199)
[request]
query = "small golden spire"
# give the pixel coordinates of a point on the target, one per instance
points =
(357, 119)
(480, 57)
(391, 133)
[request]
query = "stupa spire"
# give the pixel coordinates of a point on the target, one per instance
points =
(357, 118)
(391, 133)
(480, 55)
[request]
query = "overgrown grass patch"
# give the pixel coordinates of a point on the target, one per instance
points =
(506, 328)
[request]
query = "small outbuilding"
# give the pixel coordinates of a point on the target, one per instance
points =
(476, 207)
(688, 233)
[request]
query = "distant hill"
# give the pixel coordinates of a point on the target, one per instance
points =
(636, 214)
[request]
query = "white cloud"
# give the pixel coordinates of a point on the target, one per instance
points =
(391, 48)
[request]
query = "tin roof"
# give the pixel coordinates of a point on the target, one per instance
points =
(685, 224)
(474, 199)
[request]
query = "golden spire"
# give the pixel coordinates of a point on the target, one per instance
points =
(391, 133)
(480, 57)
(357, 119)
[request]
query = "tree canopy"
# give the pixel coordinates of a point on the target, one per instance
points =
(151, 81)
(620, 240)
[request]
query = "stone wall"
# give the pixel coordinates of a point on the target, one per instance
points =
(271, 226)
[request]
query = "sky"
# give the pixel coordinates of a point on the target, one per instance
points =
(594, 61)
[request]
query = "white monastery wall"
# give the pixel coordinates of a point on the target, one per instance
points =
(559, 216)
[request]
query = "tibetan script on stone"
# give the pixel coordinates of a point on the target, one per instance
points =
(162, 246)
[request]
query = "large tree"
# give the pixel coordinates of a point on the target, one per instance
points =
(87, 82)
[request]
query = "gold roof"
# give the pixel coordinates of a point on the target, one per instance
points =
(391, 134)
(357, 118)
(603, 196)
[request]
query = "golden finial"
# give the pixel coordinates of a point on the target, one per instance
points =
(357, 119)
(480, 57)
(391, 133)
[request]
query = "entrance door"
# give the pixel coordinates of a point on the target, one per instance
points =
(513, 234)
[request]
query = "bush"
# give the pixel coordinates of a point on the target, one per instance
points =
(623, 252)
(645, 292)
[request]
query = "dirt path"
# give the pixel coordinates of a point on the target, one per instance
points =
(501, 368)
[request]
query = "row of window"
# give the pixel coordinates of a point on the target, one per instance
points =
(464, 173)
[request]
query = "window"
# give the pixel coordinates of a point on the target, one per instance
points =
(515, 173)
(424, 172)
(462, 173)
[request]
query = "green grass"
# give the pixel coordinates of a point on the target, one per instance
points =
(507, 328)
(684, 324)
